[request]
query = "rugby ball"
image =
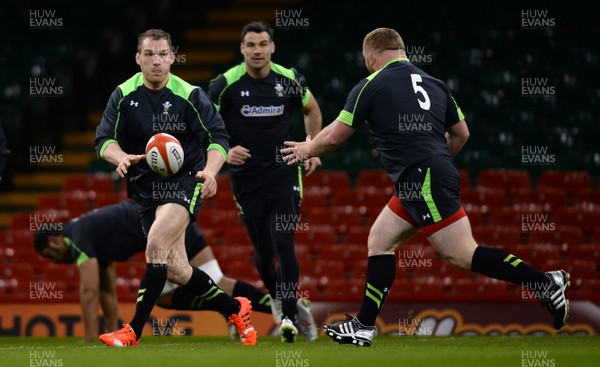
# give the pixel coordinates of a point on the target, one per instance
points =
(164, 154)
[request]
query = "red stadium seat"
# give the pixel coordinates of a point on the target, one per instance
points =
(578, 269)
(589, 289)
(497, 235)
(559, 235)
(334, 180)
(585, 218)
(508, 180)
(64, 272)
(98, 182)
(538, 253)
(237, 237)
(491, 197)
(314, 198)
(570, 181)
(378, 179)
(516, 217)
(345, 290)
(321, 268)
(22, 272)
(465, 178)
(587, 197)
(585, 252)
(550, 199)
(317, 234)
(357, 235)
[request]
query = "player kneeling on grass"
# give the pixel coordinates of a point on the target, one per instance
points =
(96, 240)
(418, 159)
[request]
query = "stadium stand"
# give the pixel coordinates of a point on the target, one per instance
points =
(546, 213)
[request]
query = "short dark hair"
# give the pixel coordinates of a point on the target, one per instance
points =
(382, 39)
(40, 240)
(258, 27)
(155, 34)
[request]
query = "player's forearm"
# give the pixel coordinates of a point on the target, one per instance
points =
(113, 153)
(455, 143)
(214, 162)
(323, 143)
(89, 299)
(313, 122)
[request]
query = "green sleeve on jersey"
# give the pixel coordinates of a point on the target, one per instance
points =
(289, 73)
(83, 257)
(306, 98)
(345, 117)
(132, 84)
(461, 116)
(234, 74)
(180, 87)
(231, 76)
(104, 145)
(220, 149)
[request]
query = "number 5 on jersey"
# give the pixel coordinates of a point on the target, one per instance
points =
(416, 78)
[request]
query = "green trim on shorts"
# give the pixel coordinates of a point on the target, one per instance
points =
(426, 192)
(300, 182)
(195, 197)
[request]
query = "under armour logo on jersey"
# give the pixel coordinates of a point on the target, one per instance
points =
(296, 188)
(245, 93)
(426, 216)
(133, 103)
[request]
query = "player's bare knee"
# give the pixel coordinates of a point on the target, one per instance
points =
(179, 274)
(378, 245)
(156, 250)
(460, 262)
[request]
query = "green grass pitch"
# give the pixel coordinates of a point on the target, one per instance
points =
(411, 351)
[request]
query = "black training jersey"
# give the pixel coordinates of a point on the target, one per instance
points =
(114, 233)
(135, 113)
(111, 233)
(406, 110)
(257, 114)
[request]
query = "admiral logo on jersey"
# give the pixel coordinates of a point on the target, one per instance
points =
(261, 111)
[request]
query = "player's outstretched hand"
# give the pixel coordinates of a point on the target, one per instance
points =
(209, 186)
(296, 151)
(238, 155)
(311, 165)
(127, 161)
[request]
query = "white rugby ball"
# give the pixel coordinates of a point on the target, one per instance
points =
(164, 154)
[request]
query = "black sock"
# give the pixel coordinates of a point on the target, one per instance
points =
(259, 299)
(208, 294)
(151, 286)
(183, 299)
(499, 264)
(381, 270)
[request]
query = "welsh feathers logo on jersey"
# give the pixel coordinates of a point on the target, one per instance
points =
(261, 111)
(279, 90)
